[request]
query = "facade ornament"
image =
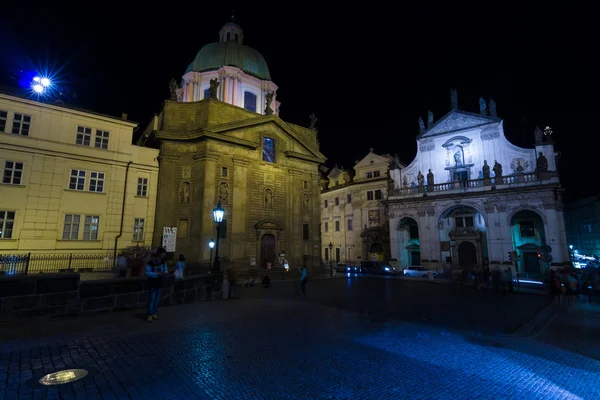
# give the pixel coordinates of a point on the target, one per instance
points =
(493, 111)
(430, 178)
(269, 100)
(429, 119)
(214, 86)
(489, 133)
(268, 198)
(498, 173)
(519, 167)
(458, 158)
(482, 106)
(453, 99)
(489, 207)
(542, 164)
(422, 212)
(539, 135)
(173, 89)
(430, 211)
(420, 179)
(421, 125)
(313, 121)
(305, 202)
(184, 193)
(223, 193)
(426, 145)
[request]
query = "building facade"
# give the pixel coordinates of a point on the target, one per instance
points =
(262, 170)
(583, 226)
(353, 217)
(72, 180)
(470, 197)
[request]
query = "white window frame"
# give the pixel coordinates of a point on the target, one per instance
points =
(72, 221)
(13, 171)
(3, 120)
(138, 229)
(91, 227)
(5, 219)
(84, 134)
(96, 182)
(101, 139)
(79, 179)
(20, 121)
(142, 187)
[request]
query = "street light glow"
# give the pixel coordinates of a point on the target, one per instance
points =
(211, 244)
(45, 82)
(37, 79)
(38, 88)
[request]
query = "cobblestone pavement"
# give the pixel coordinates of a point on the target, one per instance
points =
(280, 349)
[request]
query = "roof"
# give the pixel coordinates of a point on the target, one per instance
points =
(457, 121)
(219, 54)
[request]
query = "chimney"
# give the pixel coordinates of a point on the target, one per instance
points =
(124, 116)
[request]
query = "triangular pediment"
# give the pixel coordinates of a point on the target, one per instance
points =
(372, 159)
(457, 121)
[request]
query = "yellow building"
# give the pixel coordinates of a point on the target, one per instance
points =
(65, 173)
(353, 217)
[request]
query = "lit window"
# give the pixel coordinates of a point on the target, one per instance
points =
(7, 222)
(268, 149)
(224, 172)
(138, 229)
(77, 180)
(97, 182)
(250, 101)
(142, 187)
(84, 136)
(21, 124)
(101, 139)
(3, 118)
(71, 227)
(90, 227)
(13, 173)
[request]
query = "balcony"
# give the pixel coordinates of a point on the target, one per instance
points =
(515, 181)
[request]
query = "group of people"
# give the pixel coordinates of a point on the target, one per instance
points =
(157, 271)
(565, 285)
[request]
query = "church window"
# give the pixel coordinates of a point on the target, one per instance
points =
(206, 93)
(463, 222)
(527, 229)
(250, 101)
(224, 171)
(305, 185)
(376, 174)
(268, 154)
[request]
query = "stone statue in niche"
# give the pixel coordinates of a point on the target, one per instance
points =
(486, 170)
(186, 172)
(305, 202)
(421, 125)
(214, 86)
(223, 193)
(184, 193)
(482, 106)
(458, 157)
(429, 119)
(498, 173)
(421, 179)
(493, 111)
(405, 182)
(542, 164)
(539, 135)
(519, 167)
(313, 121)
(430, 178)
(269, 100)
(268, 198)
(173, 89)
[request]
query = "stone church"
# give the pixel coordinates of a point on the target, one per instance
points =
(221, 140)
(470, 197)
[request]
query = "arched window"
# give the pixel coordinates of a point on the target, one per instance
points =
(268, 153)
(250, 101)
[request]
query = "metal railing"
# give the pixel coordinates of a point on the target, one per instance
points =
(34, 263)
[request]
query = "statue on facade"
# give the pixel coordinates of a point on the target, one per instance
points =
(458, 158)
(486, 170)
(493, 111)
(268, 198)
(430, 178)
(184, 193)
(539, 135)
(395, 162)
(390, 183)
(542, 164)
(421, 179)
(214, 86)
(520, 166)
(429, 119)
(497, 171)
(305, 202)
(405, 182)
(482, 106)
(313, 121)
(173, 89)
(453, 99)
(269, 100)
(223, 193)
(421, 125)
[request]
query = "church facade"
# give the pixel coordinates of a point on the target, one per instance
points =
(216, 148)
(471, 198)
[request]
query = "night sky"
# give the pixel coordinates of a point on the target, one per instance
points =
(367, 72)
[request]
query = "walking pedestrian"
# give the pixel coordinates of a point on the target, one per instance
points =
(303, 280)
(180, 267)
(231, 280)
(156, 270)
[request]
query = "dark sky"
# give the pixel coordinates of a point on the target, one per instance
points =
(367, 72)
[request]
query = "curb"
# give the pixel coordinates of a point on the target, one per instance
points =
(538, 323)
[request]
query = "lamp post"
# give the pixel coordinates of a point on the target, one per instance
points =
(218, 214)
(571, 253)
(330, 259)
(211, 246)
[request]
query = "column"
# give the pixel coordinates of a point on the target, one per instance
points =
(191, 91)
(185, 91)
(394, 239)
(226, 89)
(556, 236)
(235, 91)
(239, 209)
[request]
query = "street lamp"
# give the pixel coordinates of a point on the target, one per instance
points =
(571, 253)
(39, 85)
(211, 246)
(218, 214)
(330, 259)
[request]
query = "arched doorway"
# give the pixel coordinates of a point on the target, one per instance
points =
(267, 250)
(467, 255)
(528, 235)
(409, 246)
(374, 244)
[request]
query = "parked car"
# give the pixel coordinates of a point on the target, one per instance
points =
(377, 267)
(343, 267)
(418, 271)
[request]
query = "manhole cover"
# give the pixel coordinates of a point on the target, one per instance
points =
(64, 376)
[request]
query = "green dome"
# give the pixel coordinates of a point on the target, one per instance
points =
(216, 55)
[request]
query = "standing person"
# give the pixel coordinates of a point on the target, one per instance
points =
(180, 267)
(303, 279)
(231, 279)
(156, 270)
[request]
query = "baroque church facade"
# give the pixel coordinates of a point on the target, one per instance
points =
(470, 197)
(221, 140)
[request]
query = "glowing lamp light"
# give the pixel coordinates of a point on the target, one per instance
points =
(211, 244)
(218, 213)
(37, 79)
(38, 88)
(45, 82)
(571, 246)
